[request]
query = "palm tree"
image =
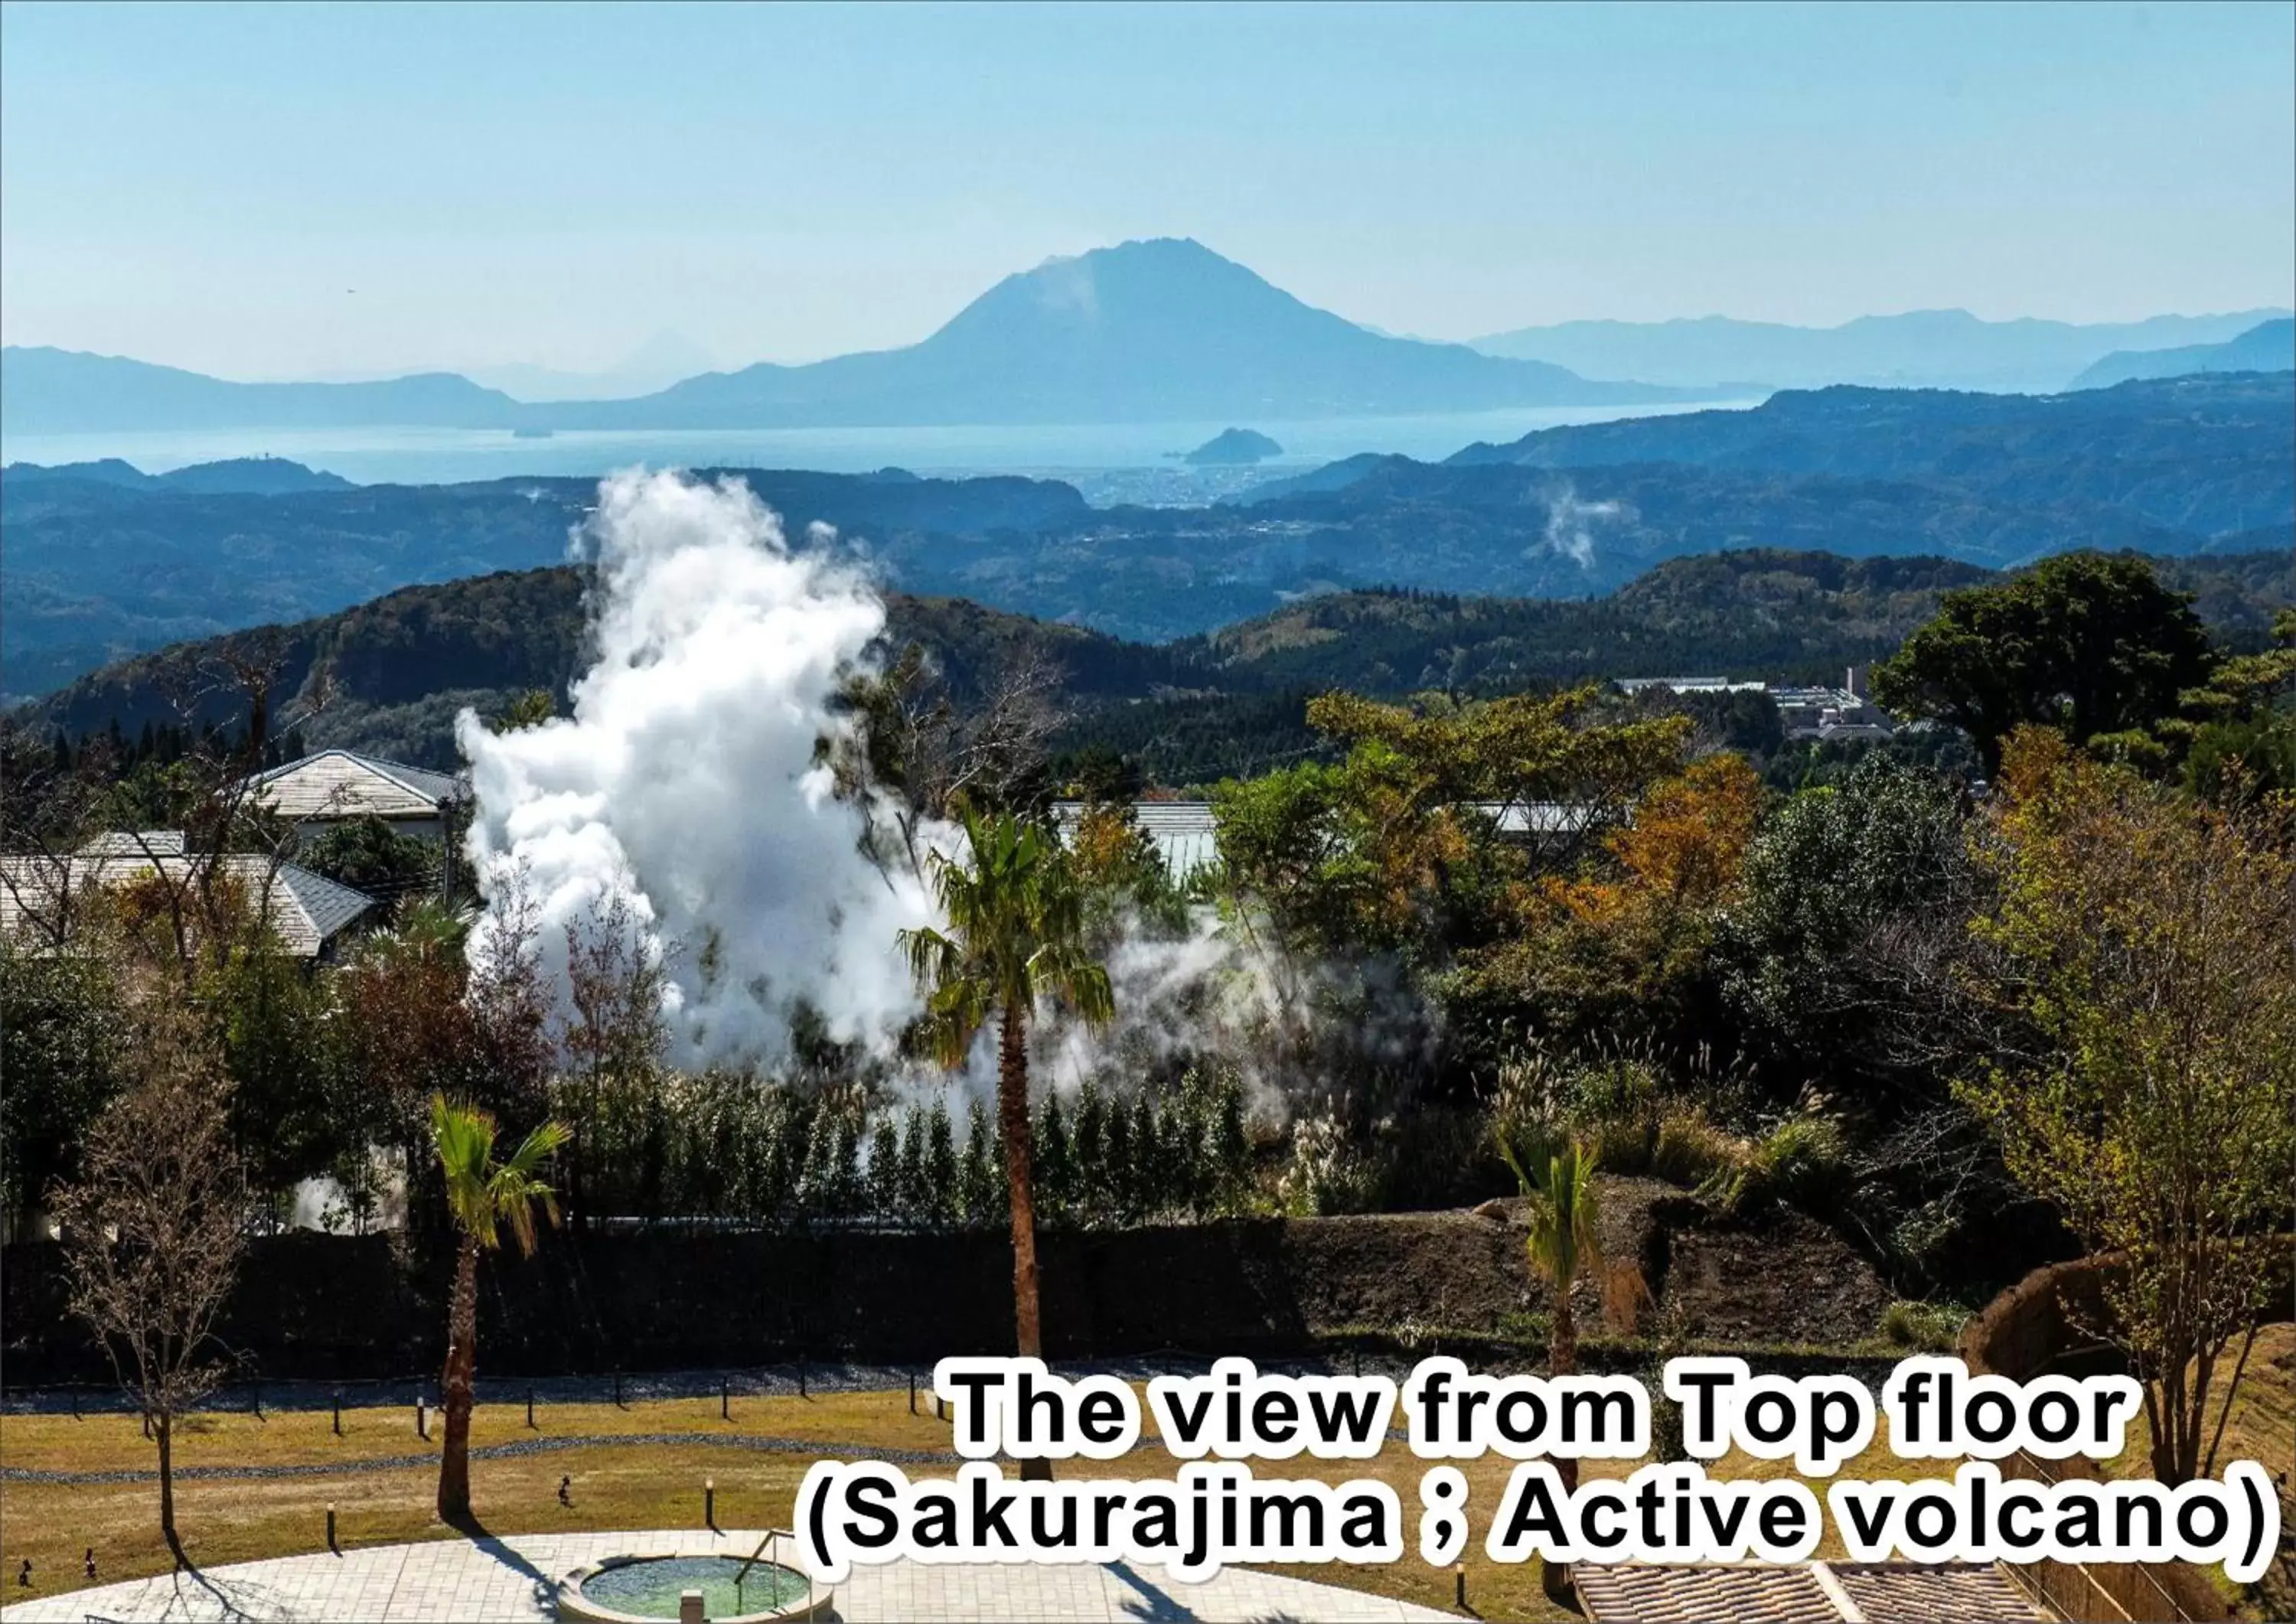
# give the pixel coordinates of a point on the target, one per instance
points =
(483, 1195)
(1015, 935)
(1558, 1176)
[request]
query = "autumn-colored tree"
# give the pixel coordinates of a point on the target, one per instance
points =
(1125, 884)
(1625, 934)
(2148, 939)
(1410, 844)
(1644, 920)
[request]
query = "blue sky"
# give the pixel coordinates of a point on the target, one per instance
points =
(204, 185)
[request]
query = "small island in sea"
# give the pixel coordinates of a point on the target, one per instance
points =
(1234, 447)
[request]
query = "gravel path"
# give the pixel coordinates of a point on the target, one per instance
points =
(493, 1452)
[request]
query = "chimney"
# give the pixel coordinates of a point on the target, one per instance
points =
(1856, 681)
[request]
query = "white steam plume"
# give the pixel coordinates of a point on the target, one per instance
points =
(687, 779)
(1224, 994)
(1571, 524)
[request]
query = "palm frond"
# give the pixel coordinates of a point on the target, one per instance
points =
(1014, 932)
(1563, 1212)
(483, 1193)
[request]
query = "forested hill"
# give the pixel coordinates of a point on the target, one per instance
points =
(399, 668)
(1760, 613)
(395, 672)
(2203, 455)
(99, 565)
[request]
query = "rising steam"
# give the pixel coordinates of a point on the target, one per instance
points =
(1571, 524)
(686, 780)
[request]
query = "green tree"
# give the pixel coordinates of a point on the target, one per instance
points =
(294, 1112)
(2238, 735)
(368, 855)
(2087, 642)
(885, 1171)
(1231, 1146)
(1056, 1169)
(2146, 937)
(1015, 936)
(1847, 889)
(63, 1054)
(611, 1041)
(916, 1195)
(942, 1169)
(484, 1194)
(976, 1177)
(527, 707)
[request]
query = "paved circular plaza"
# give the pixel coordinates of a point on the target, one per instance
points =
(480, 1581)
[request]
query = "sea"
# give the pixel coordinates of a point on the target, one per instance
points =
(1127, 462)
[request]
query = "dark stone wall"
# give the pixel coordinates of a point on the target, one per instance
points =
(342, 1307)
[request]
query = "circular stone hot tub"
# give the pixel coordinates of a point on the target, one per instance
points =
(638, 1589)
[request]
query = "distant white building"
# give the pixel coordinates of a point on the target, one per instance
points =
(1690, 685)
(1187, 841)
(1834, 713)
(1807, 712)
(335, 786)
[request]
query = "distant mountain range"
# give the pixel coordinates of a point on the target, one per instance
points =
(1923, 349)
(2197, 465)
(1158, 330)
(1144, 332)
(662, 360)
(250, 476)
(63, 391)
(399, 669)
(2269, 346)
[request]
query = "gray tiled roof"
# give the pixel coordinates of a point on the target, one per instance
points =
(305, 910)
(1803, 1592)
(1952, 1593)
(1640, 1593)
(334, 783)
(328, 904)
(135, 843)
